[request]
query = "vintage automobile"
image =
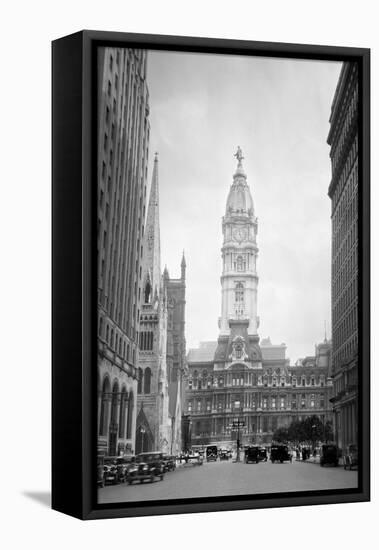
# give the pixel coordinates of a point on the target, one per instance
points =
(123, 465)
(211, 453)
(329, 455)
(224, 454)
(147, 466)
(280, 453)
(110, 470)
(262, 454)
(100, 471)
(251, 454)
(169, 463)
(350, 458)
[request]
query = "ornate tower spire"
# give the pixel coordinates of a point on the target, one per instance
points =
(151, 271)
(239, 279)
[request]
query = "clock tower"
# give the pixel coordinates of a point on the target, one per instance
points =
(239, 279)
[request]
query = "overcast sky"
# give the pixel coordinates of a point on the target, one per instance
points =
(201, 108)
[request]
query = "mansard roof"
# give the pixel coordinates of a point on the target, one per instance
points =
(203, 354)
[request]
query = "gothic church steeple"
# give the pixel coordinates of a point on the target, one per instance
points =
(151, 271)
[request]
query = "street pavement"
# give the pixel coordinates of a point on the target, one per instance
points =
(228, 478)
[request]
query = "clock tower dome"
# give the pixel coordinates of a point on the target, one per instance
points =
(239, 279)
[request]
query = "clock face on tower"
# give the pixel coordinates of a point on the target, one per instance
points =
(239, 234)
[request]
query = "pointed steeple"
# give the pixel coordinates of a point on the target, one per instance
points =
(183, 267)
(151, 271)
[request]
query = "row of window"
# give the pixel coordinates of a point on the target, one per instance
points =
(116, 410)
(240, 380)
(115, 341)
(144, 380)
(346, 326)
(281, 403)
(146, 340)
(349, 117)
(341, 192)
(346, 351)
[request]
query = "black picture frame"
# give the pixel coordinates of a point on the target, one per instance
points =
(74, 273)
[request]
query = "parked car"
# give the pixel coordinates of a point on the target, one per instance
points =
(123, 465)
(280, 453)
(224, 455)
(211, 452)
(350, 458)
(110, 470)
(262, 454)
(169, 463)
(100, 471)
(251, 454)
(329, 454)
(147, 466)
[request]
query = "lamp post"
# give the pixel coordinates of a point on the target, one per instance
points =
(238, 424)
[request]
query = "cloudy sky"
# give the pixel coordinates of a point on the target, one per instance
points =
(201, 108)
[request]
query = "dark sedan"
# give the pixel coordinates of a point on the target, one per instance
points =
(147, 466)
(280, 453)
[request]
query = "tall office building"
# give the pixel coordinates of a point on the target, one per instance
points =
(123, 153)
(343, 192)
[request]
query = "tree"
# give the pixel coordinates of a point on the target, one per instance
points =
(281, 435)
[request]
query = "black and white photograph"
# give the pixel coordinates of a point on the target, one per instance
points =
(227, 275)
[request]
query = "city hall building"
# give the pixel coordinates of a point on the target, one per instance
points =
(239, 376)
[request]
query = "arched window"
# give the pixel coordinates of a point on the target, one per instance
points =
(121, 422)
(140, 377)
(147, 380)
(130, 416)
(239, 292)
(147, 292)
(114, 403)
(105, 391)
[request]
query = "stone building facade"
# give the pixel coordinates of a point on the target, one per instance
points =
(343, 192)
(123, 153)
(161, 343)
(239, 377)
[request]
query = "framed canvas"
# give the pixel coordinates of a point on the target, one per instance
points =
(192, 176)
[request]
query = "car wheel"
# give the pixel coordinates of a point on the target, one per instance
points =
(161, 477)
(130, 481)
(350, 466)
(321, 464)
